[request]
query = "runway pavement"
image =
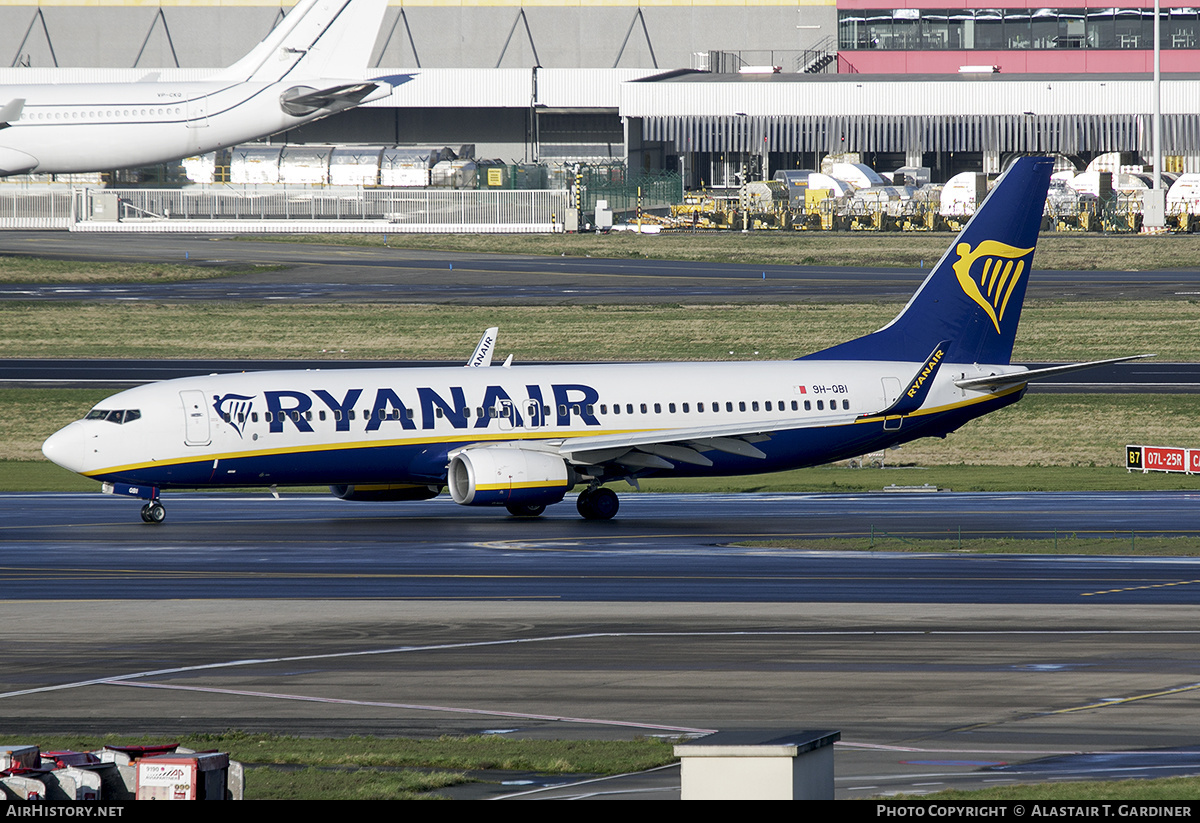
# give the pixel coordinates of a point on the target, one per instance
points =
(660, 548)
(323, 273)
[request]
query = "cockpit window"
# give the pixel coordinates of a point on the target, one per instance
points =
(117, 416)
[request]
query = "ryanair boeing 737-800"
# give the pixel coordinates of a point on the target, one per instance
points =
(523, 436)
(310, 66)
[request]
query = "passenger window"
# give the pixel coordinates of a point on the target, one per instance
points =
(658, 408)
(729, 406)
(562, 410)
(741, 405)
(671, 408)
(768, 407)
(699, 407)
(820, 405)
(629, 408)
(808, 405)
(320, 415)
(438, 412)
(795, 406)
(616, 408)
(604, 408)
(643, 408)
(846, 405)
(589, 409)
(685, 408)
(253, 417)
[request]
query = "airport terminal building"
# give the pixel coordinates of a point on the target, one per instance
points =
(690, 85)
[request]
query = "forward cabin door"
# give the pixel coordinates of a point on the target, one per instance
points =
(195, 416)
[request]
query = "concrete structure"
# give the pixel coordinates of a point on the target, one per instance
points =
(758, 765)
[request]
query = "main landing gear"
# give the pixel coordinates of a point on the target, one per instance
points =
(153, 512)
(598, 503)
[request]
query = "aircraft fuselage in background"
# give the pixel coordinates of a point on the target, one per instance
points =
(304, 70)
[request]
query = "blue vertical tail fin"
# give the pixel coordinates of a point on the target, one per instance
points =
(973, 296)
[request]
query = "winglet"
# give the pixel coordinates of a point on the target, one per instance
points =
(918, 388)
(482, 355)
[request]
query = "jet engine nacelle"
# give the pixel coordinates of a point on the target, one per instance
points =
(507, 475)
(381, 492)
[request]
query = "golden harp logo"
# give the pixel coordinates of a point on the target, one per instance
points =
(991, 283)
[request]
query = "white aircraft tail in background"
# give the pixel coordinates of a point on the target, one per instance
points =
(310, 66)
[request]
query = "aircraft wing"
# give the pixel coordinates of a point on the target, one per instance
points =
(996, 381)
(647, 449)
(11, 111)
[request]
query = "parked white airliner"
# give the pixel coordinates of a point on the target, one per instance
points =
(310, 66)
(522, 436)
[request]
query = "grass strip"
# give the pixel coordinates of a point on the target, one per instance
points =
(1070, 252)
(1050, 330)
(471, 752)
(17, 269)
(266, 783)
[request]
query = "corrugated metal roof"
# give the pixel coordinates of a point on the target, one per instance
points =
(1068, 134)
(830, 95)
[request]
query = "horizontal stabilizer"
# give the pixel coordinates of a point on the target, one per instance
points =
(11, 112)
(302, 100)
(995, 381)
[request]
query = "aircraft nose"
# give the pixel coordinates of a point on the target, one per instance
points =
(66, 447)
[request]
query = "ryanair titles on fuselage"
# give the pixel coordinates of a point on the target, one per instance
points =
(289, 407)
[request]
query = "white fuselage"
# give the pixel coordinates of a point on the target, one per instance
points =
(78, 128)
(398, 425)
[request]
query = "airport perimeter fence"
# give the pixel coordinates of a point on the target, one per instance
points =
(23, 209)
(301, 209)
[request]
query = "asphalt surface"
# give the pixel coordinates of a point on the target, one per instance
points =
(660, 548)
(323, 273)
(309, 615)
